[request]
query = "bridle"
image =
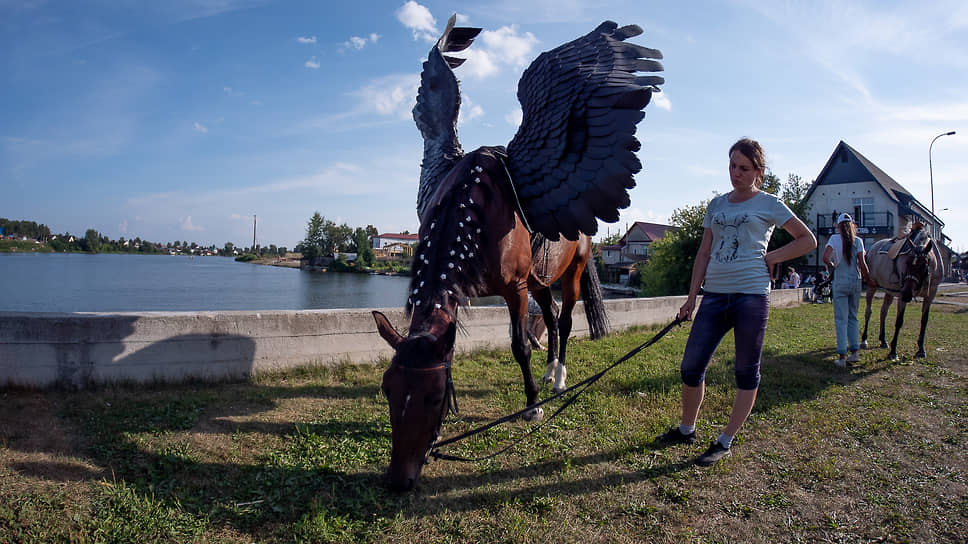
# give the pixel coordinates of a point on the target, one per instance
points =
(450, 396)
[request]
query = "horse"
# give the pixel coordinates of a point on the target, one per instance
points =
(474, 242)
(916, 270)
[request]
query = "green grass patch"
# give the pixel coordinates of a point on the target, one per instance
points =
(870, 453)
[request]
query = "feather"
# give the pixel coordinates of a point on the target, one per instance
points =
(573, 157)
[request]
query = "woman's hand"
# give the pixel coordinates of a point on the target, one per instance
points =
(685, 312)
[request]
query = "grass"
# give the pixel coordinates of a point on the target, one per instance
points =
(872, 453)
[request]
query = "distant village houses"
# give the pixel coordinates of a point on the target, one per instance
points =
(394, 245)
(634, 247)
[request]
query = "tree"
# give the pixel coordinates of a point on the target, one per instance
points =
(364, 253)
(669, 269)
(793, 194)
(312, 245)
(92, 241)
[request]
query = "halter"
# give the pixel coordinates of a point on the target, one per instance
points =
(450, 397)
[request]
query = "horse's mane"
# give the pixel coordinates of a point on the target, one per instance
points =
(448, 265)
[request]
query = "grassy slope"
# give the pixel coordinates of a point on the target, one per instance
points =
(876, 452)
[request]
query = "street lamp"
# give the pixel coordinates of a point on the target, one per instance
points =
(931, 174)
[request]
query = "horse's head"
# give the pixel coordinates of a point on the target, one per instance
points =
(416, 387)
(917, 264)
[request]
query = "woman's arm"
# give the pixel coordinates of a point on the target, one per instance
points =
(827, 253)
(865, 272)
(698, 274)
(803, 241)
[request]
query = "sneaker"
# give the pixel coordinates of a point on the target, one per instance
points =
(715, 452)
(675, 436)
(841, 362)
(853, 357)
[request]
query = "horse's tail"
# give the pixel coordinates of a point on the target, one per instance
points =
(591, 295)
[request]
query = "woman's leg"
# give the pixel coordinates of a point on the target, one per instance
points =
(750, 315)
(708, 329)
(841, 310)
(742, 407)
(853, 331)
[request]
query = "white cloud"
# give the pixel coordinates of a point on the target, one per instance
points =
(419, 20)
(186, 224)
(661, 100)
(514, 117)
(468, 111)
(390, 95)
(198, 127)
(509, 47)
(374, 37)
(501, 47)
(307, 40)
(312, 63)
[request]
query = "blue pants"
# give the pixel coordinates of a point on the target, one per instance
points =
(846, 300)
(747, 316)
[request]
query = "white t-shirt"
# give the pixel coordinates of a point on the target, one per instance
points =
(741, 232)
(842, 269)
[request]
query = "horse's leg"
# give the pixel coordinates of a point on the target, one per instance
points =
(867, 315)
(550, 315)
(925, 310)
(888, 298)
(898, 323)
(521, 348)
(570, 291)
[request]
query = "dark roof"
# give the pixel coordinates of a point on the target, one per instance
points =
(895, 191)
(652, 231)
(398, 236)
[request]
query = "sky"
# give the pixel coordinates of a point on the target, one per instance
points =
(187, 119)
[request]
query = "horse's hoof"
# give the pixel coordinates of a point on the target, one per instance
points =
(534, 415)
(550, 371)
(883, 345)
(863, 345)
(892, 356)
(560, 375)
(920, 354)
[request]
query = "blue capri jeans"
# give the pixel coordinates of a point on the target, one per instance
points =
(747, 316)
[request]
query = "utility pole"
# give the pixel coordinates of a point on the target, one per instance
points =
(253, 233)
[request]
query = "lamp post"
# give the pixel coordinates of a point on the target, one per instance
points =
(931, 175)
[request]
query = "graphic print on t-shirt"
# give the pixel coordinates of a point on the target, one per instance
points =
(729, 236)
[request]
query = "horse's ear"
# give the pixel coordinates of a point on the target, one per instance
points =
(386, 330)
(446, 342)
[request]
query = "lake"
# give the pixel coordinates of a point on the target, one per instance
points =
(74, 282)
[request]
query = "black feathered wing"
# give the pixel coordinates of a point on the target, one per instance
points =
(573, 158)
(438, 104)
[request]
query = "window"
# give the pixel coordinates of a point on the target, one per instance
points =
(864, 211)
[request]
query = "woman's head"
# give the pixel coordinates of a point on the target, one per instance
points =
(847, 230)
(747, 164)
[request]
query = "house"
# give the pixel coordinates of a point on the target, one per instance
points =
(634, 247)
(394, 245)
(880, 206)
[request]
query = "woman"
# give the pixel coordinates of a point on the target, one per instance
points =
(792, 279)
(844, 255)
(736, 271)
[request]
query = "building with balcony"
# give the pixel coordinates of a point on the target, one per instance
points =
(880, 206)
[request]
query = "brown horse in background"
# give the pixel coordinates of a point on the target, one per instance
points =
(473, 243)
(917, 270)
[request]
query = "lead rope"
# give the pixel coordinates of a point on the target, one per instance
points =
(580, 387)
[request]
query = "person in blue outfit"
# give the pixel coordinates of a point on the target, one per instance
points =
(735, 271)
(844, 255)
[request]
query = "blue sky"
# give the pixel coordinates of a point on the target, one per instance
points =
(180, 120)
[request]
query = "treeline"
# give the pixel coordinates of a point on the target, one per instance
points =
(95, 242)
(324, 238)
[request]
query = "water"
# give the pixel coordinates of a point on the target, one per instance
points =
(72, 282)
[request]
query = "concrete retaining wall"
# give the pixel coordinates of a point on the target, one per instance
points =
(77, 350)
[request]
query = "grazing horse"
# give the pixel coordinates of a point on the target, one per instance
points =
(473, 243)
(916, 270)
(505, 221)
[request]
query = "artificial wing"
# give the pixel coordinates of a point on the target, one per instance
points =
(573, 157)
(438, 103)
